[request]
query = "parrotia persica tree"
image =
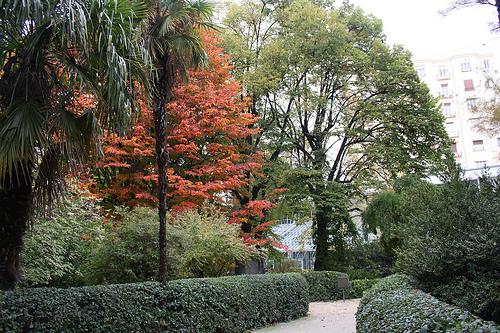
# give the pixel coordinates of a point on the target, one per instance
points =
(208, 124)
(346, 110)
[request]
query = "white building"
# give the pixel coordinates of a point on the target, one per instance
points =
(460, 81)
(297, 239)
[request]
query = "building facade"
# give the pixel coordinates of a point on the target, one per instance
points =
(462, 82)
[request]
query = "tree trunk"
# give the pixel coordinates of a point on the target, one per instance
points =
(163, 94)
(321, 240)
(15, 200)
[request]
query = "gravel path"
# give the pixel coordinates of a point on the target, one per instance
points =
(334, 317)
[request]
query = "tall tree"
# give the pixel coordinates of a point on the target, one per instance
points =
(207, 128)
(350, 110)
(67, 70)
(174, 45)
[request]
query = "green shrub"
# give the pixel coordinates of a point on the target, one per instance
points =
(453, 240)
(56, 249)
(477, 296)
(395, 305)
(129, 253)
(323, 285)
(358, 287)
(228, 304)
(369, 261)
(214, 245)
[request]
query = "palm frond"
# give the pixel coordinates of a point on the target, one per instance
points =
(21, 136)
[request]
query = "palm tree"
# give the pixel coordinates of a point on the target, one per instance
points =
(172, 40)
(67, 72)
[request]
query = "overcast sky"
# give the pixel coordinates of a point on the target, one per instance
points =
(421, 29)
(418, 26)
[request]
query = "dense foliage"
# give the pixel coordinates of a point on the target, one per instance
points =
(342, 107)
(369, 260)
(358, 287)
(229, 304)
(129, 251)
(201, 244)
(57, 247)
(323, 286)
(393, 305)
(214, 246)
(66, 74)
(452, 242)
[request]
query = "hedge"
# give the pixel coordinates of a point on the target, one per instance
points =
(395, 305)
(358, 287)
(228, 304)
(323, 286)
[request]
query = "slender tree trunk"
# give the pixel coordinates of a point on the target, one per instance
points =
(163, 93)
(15, 203)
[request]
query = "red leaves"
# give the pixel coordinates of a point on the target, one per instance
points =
(208, 126)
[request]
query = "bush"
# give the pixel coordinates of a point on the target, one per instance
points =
(228, 304)
(358, 287)
(56, 249)
(323, 285)
(453, 241)
(480, 296)
(395, 305)
(369, 261)
(129, 253)
(214, 245)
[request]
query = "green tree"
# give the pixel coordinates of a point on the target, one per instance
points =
(173, 44)
(67, 70)
(387, 212)
(348, 110)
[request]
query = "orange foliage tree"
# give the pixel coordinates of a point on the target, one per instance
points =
(209, 155)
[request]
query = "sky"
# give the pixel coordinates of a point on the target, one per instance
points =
(418, 26)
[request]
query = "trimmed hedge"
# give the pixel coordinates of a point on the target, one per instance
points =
(228, 304)
(323, 286)
(395, 305)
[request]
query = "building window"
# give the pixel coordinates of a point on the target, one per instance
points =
(443, 73)
(481, 164)
(498, 142)
(471, 103)
(474, 123)
(486, 63)
(454, 147)
(445, 91)
(451, 128)
(489, 84)
(421, 72)
(448, 110)
(465, 66)
(469, 85)
(478, 145)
